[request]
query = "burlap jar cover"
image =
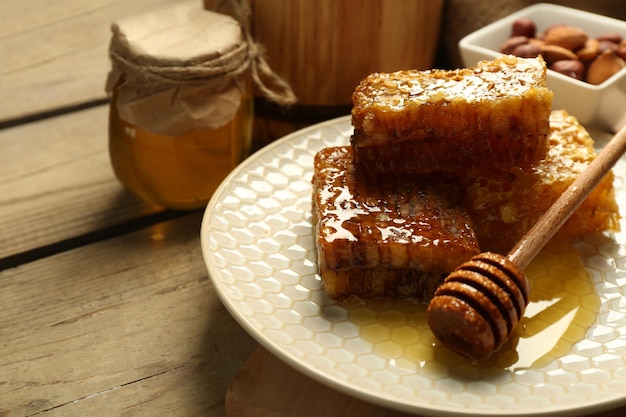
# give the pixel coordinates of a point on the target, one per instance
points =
(185, 68)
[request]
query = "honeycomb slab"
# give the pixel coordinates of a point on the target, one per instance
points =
(505, 206)
(430, 121)
(385, 235)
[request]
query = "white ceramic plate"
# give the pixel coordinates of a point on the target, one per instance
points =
(258, 246)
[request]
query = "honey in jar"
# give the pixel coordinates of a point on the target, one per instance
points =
(177, 171)
(181, 110)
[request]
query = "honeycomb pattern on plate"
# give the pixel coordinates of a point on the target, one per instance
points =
(259, 250)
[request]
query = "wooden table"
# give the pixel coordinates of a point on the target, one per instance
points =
(105, 304)
(106, 308)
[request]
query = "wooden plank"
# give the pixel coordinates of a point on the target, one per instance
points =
(55, 53)
(127, 326)
(56, 182)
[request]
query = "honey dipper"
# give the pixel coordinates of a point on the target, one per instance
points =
(479, 304)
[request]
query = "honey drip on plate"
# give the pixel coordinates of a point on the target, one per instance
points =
(563, 306)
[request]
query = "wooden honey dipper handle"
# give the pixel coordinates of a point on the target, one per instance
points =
(538, 236)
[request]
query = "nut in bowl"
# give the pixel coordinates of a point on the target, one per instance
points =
(591, 87)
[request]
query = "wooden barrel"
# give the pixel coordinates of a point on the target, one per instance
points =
(324, 48)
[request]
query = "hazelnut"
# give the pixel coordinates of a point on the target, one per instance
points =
(527, 50)
(603, 45)
(603, 67)
(568, 37)
(613, 37)
(589, 51)
(570, 67)
(512, 43)
(553, 53)
(524, 27)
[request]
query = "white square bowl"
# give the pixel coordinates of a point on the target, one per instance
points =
(597, 106)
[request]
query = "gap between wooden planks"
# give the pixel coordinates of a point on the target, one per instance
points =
(57, 184)
(54, 54)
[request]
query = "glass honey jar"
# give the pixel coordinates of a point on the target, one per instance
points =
(181, 107)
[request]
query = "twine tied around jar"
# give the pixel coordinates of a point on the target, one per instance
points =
(279, 90)
(170, 81)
